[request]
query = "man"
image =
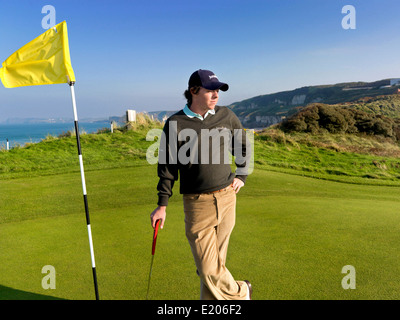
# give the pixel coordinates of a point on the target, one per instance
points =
(208, 186)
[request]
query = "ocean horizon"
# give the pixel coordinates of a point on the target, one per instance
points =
(20, 134)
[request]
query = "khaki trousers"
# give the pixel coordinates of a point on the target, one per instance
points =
(209, 221)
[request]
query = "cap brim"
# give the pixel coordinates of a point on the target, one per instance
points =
(217, 85)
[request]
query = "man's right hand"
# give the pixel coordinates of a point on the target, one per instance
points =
(159, 213)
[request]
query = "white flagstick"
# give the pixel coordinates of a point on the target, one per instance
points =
(71, 85)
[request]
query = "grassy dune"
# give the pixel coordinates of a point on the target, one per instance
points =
(341, 157)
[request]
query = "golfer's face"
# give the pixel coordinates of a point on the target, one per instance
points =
(207, 98)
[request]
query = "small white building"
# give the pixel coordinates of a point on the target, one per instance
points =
(131, 115)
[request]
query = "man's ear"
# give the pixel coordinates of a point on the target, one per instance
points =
(194, 90)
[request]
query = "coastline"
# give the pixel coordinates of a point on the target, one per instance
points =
(21, 134)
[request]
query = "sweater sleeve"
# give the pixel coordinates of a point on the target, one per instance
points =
(167, 170)
(241, 149)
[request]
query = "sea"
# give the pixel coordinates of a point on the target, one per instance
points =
(20, 134)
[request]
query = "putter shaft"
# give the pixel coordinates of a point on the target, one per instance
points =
(148, 285)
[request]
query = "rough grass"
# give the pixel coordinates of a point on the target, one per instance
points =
(341, 157)
(104, 150)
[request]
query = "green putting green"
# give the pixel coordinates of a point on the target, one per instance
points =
(292, 238)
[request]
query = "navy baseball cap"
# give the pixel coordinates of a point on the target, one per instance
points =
(206, 79)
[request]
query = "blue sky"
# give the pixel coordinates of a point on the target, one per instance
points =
(139, 54)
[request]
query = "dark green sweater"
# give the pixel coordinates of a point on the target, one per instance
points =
(203, 158)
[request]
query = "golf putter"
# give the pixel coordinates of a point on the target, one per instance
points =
(153, 249)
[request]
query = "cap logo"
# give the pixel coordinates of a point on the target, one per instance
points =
(213, 76)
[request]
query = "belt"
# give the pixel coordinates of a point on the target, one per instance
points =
(223, 189)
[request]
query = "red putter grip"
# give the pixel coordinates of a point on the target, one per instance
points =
(153, 249)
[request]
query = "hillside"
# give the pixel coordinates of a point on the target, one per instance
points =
(269, 109)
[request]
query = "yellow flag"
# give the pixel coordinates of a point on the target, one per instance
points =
(44, 60)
